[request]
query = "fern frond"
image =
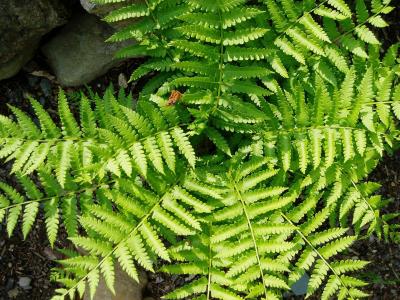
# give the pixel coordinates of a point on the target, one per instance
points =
(139, 239)
(298, 106)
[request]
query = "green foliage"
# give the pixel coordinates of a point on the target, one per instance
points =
(111, 141)
(289, 106)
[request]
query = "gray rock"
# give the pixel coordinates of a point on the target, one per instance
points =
(125, 287)
(22, 24)
(299, 288)
(12, 66)
(79, 53)
(25, 282)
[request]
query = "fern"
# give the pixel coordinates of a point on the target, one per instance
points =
(337, 27)
(92, 150)
(141, 216)
(256, 243)
(243, 162)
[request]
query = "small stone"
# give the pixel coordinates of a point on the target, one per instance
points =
(44, 74)
(13, 293)
(300, 286)
(24, 282)
(33, 80)
(190, 278)
(122, 82)
(9, 284)
(42, 101)
(45, 85)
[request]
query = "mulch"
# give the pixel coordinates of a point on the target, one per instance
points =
(32, 259)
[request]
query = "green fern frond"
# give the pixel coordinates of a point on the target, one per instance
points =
(138, 233)
(243, 162)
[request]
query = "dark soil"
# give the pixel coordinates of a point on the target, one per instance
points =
(31, 259)
(384, 270)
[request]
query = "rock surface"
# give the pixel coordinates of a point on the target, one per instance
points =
(22, 24)
(79, 53)
(125, 287)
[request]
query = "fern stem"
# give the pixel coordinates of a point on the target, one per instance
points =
(221, 58)
(380, 102)
(248, 220)
(221, 63)
(80, 139)
(209, 263)
(93, 188)
(48, 140)
(83, 141)
(287, 130)
(318, 253)
(365, 200)
(158, 26)
(309, 128)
